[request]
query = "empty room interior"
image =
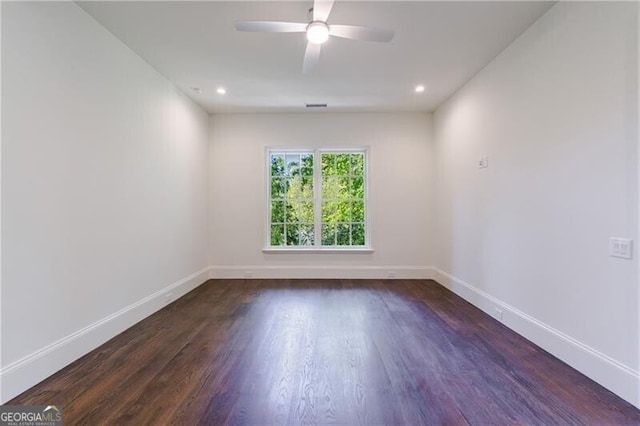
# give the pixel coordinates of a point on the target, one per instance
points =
(329, 212)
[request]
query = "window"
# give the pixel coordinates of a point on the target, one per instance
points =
(317, 199)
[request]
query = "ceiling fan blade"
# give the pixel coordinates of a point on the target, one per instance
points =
(361, 33)
(311, 57)
(271, 26)
(321, 10)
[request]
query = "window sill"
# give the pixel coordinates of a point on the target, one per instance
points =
(332, 250)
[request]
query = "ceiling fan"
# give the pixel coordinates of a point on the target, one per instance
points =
(318, 31)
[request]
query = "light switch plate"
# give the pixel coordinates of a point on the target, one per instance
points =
(621, 247)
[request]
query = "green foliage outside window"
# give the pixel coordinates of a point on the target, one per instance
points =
(342, 208)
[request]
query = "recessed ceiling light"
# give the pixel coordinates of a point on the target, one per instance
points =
(221, 90)
(419, 88)
(197, 90)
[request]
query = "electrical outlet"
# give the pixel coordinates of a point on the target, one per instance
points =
(248, 274)
(483, 162)
(498, 313)
(621, 247)
(391, 274)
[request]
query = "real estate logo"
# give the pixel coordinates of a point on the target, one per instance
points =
(30, 415)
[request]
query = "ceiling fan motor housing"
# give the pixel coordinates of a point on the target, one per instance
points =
(317, 32)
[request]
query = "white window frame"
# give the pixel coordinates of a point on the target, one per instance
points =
(317, 202)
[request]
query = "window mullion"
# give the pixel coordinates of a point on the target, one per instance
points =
(317, 198)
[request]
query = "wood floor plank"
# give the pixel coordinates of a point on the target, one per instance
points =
(334, 352)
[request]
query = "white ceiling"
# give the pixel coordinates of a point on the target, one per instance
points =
(438, 44)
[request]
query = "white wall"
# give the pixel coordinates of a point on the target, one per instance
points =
(104, 177)
(105, 207)
(557, 114)
(400, 192)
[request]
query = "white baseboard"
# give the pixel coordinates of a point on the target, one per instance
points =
(613, 375)
(20, 375)
(320, 272)
(24, 373)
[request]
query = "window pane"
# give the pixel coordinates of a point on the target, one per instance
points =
(307, 164)
(357, 234)
(299, 211)
(343, 188)
(292, 211)
(344, 211)
(277, 235)
(342, 234)
(357, 164)
(277, 187)
(357, 187)
(330, 187)
(305, 214)
(307, 187)
(277, 165)
(293, 164)
(357, 211)
(293, 187)
(328, 234)
(277, 211)
(329, 211)
(299, 187)
(328, 164)
(292, 234)
(306, 234)
(343, 164)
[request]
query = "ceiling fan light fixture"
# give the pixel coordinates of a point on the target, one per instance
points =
(317, 32)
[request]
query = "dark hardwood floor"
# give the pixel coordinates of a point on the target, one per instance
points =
(324, 352)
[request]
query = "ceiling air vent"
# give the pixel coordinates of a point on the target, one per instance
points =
(316, 105)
